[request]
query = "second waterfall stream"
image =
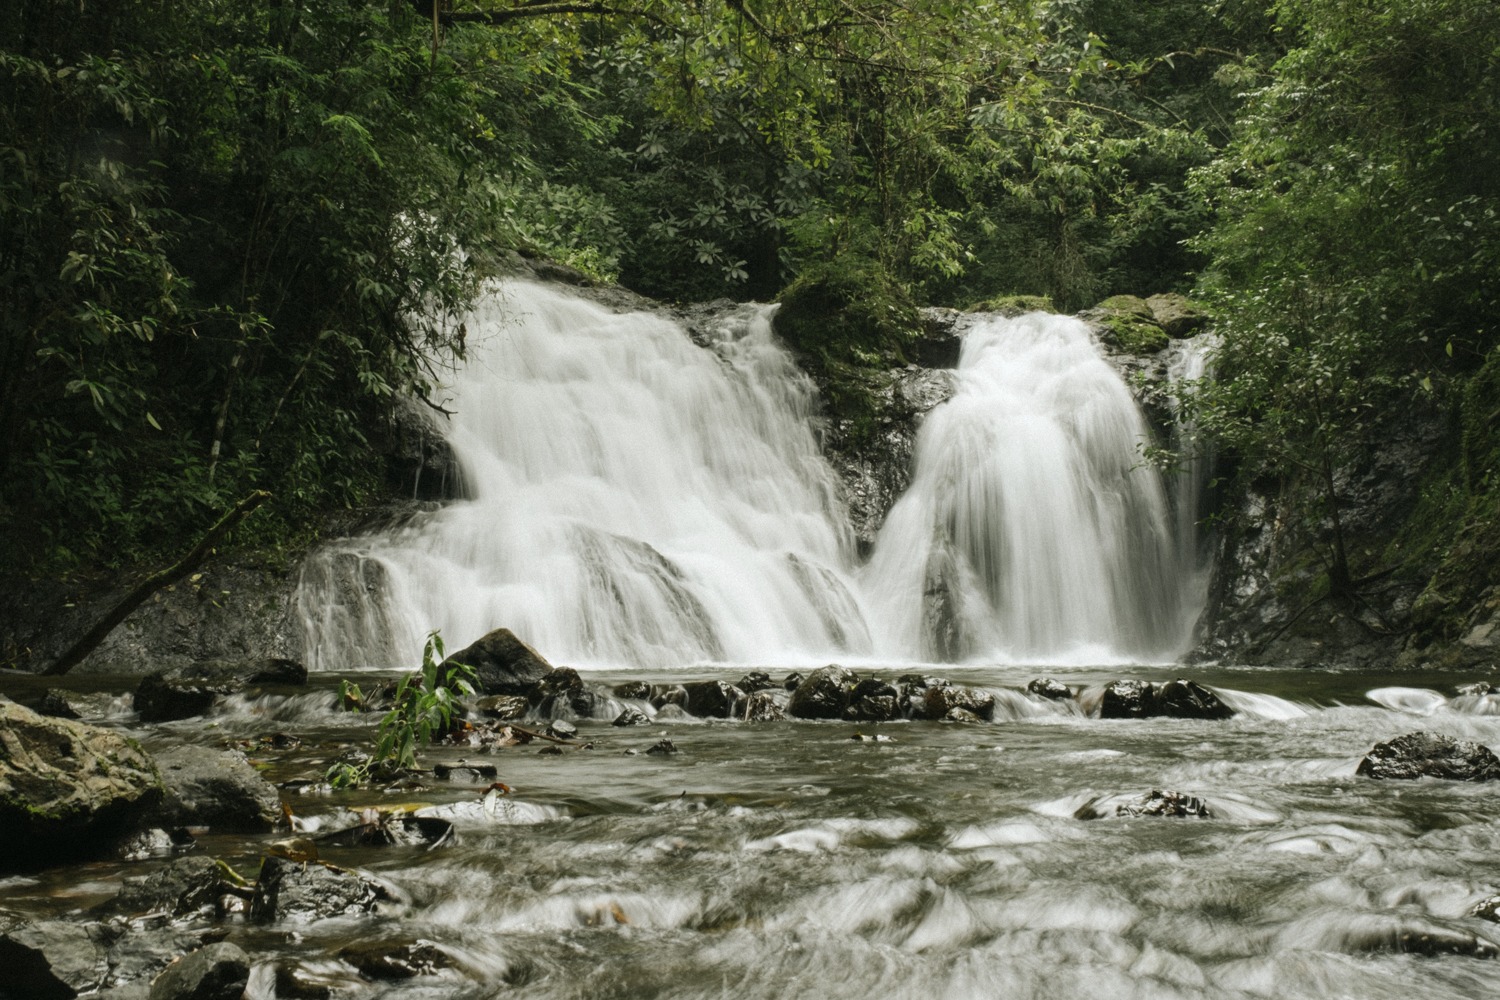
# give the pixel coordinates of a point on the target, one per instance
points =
(634, 499)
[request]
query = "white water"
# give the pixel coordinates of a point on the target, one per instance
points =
(1033, 529)
(640, 501)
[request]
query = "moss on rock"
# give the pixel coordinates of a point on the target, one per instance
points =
(1126, 322)
(1014, 305)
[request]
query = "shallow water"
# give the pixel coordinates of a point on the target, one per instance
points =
(785, 860)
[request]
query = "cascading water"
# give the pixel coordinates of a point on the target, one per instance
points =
(640, 501)
(1032, 529)
(636, 501)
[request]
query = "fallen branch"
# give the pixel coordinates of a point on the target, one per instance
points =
(151, 584)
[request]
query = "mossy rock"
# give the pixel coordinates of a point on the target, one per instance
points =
(854, 314)
(1011, 306)
(850, 324)
(1177, 314)
(1130, 305)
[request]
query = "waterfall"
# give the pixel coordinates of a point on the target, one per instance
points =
(1033, 528)
(635, 499)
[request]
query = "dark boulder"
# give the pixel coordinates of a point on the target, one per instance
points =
(188, 886)
(634, 690)
(713, 699)
(755, 680)
(302, 892)
(912, 689)
(1433, 755)
(1126, 700)
(505, 707)
(1487, 909)
(631, 717)
(1053, 690)
(792, 680)
(396, 959)
(582, 701)
(1170, 805)
(824, 694)
(940, 702)
(52, 959)
(57, 704)
(214, 972)
(503, 664)
(880, 707)
(668, 694)
(1182, 699)
(562, 729)
(1178, 699)
(768, 705)
(663, 746)
(67, 789)
(215, 788)
(183, 692)
(471, 774)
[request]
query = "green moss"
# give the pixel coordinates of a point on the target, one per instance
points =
(1129, 304)
(1129, 333)
(851, 323)
(1014, 305)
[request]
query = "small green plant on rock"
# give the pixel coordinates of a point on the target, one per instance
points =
(424, 705)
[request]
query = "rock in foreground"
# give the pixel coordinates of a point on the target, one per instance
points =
(67, 789)
(1430, 755)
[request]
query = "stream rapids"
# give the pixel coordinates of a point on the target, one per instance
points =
(787, 860)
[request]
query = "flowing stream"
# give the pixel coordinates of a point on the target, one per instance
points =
(786, 860)
(639, 500)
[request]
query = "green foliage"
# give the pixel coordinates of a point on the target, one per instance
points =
(423, 710)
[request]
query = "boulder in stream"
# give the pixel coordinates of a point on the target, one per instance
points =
(183, 692)
(1159, 803)
(396, 959)
(305, 891)
(1178, 699)
(67, 789)
(187, 887)
(216, 788)
(713, 699)
(214, 972)
(1049, 688)
(52, 959)
(1432, 755)
(824, 694)
(631, 717)
(503, 664)
(942, 702)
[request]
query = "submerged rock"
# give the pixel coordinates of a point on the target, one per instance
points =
(631, 717)
(505, 707)
(503, 664)
(824, 694)
(67, 789)
(216, 788)
(663, 747)
(305, 891)
(1053, 690)
(183, 692)
(186, 887)
(1433, 755)
(396, 959)
(214, 972)
(1171, 805)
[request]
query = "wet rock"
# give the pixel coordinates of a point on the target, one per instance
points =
(669, 694)
(663, 747)
(1053, 690)
(52, 959)
(57, 704)
(214, 972)
(1487, 909)
(1182, 699)
(792, 680)
(1416, 936)
(67, 789)
(1126, 700)
(940, 703)
(1176, 314)
(302, 892)
(298, 983)
(912, 689)
(154, 843)
(755, 680)
(388, 829)
(631, 717)
(767, 705)
(562, 729)
(1179, 699)
(824, 694)
(183, 692)
(671, 713)
(215, 788)
(503, 664)
(634, 690)
(470, 773)
(187, 886)
(713, 699)
(881, 705)
(505, 707)
(1433, 755)
(583, 702)
(396, 959)
(874, 738)
(1166, 804)
(1477, 689)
